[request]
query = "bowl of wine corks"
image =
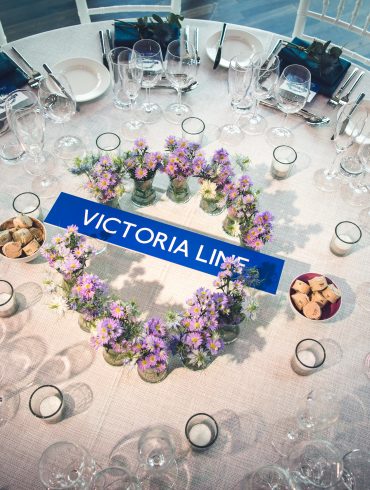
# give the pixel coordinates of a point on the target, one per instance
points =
(315, 296)
(21, 238)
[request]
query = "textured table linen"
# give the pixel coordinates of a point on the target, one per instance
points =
(247, 389)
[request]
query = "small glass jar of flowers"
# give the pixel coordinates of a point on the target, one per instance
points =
(236, 302)
(116, 331)
(215, 178)
(142, 166)
(194, 333)
(183, 156)
(105, 174)
(68, 254)
(241, 203)
(152, 351)
(256, 230)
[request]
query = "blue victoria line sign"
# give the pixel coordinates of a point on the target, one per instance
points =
(161, 240)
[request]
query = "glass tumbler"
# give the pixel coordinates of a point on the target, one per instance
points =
(8, 302)
(28, 203)
(345, 237)
(282, 161)
(201, 431)
(193, 130)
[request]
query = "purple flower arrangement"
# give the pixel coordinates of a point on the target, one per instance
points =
(140, 163)
(184, 158)
(68, 253)
(256, 230)
(215, 176)
(88, 296)
(104, 175)
(151, 348)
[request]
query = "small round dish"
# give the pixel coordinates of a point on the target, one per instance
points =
(328, 311)
(87, 77)
(6, 225)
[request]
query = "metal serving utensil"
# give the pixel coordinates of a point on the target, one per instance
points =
(310, 118)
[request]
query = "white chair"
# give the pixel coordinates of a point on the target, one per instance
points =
(85, 13)
(2, 36)
(362, 30)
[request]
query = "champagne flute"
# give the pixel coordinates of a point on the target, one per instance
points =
(29, 127)
(356, 192)
(180, 70)
(131, 72)
(292, 91)
(151, 56)
(59, 105)
(240, 77)
(264, 84)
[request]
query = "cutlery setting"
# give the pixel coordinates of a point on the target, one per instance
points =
(310, 118)
(338, 99)
(219, 49)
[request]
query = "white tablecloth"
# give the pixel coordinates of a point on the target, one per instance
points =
(247, 389)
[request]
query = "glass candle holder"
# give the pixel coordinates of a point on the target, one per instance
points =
(8, 301)
(283, 158)
(47, 403)
(309, 356)
(108, 142)
(345, 237)
(28, 203)
(201, 431)
(11, 151)
(193, 129)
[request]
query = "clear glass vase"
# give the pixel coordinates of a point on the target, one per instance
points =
(151, 375)
(113, 358)
(113, 203)
(231, 226)
(143, 193)
(186, 362)
(229, 325)
(85, 325)
(178, 190)
(212, 206)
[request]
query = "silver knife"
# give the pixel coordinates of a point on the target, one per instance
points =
(109, 38)
(103, 49)
(196, 43)
(220, 43)
(345, 85)
(186, 38)
(347, 119)
(56, 81)
(278, 46)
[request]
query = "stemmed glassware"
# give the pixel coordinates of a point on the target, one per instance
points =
(180, 70)
(158, 467)
(29, 127)
(263, 88)
(356, 192)
(345, 134)
(59, 105)
(151, 56)
(272, 477)
(240, 77)
(131, 71)
(291, 93)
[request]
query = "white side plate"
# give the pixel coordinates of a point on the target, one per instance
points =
(236, 43)
(88, 78)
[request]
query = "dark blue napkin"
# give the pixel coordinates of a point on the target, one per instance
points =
(11, 76)
(127, 34)
(325, 83)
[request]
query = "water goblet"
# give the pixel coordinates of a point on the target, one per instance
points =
(240, 77)
(345, 135)
(157, 466)
(180, 71)
(151, 56)
(263, 87)
(59, 106)
(131, 72)
(291, 93)
(66, 465)
(271, 477)
(29, 127)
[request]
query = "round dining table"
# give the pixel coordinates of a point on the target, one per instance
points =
(251, 389)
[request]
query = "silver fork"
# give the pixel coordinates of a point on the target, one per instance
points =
(345, 98)
(35, 76)
(334, 101)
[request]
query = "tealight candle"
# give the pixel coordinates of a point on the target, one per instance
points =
(8, 302)
(309, 356)
(346, 235)
(282, 162)
(28, 203)
(201, 431)
(46, 403)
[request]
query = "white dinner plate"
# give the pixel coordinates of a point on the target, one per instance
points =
(88, 78)
(236, 43)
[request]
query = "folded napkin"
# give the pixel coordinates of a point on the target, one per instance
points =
(127, 34)
(325, 83)
(11, 76)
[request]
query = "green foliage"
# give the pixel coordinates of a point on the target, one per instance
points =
(317, 51)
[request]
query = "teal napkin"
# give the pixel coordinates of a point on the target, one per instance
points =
(324, 83)
(127, 34)
(11, 76)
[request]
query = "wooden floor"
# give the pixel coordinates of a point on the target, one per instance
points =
(22, 18)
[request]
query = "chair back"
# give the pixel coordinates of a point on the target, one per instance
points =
(85, 13)
(352, 24)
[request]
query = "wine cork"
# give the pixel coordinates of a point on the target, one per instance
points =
(31, 247)
(5, 237)
(12, 250)
(312, 310)
(22, 236)
(319, 298)
(22, 221)
(37, 233)
(331, 293)
(318, 283)
(301, 286)
(300, 300)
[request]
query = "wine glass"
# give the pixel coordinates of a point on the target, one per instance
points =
(180, 70)
(356, 469)
(345, 135)
(59, 105)
(66, 465)
(151, 57)
(131, 72)
(158, 467)
(356, 192)
(264, 84)
(291, 93)
(271, 477)
(240, 77)
(29, 127)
